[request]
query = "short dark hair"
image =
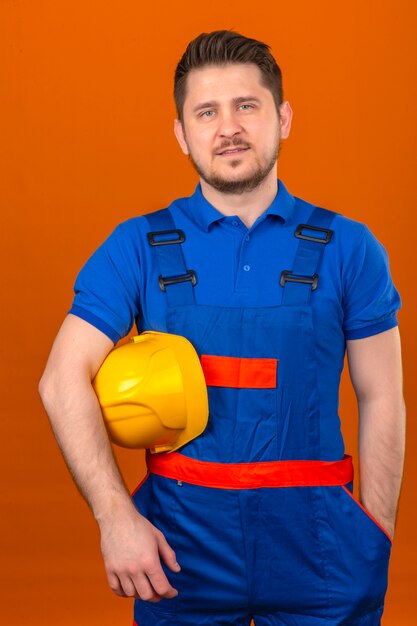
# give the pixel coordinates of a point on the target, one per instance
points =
(222, 47)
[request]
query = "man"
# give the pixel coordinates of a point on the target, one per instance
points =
(266, 527)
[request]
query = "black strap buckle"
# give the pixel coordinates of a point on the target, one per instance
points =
(166, 241)
(299, 233)
(173, 280)
(288, 277)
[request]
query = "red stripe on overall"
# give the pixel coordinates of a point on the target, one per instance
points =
(240, 373)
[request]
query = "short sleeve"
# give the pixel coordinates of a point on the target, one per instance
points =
(370, 299)
(107, 287)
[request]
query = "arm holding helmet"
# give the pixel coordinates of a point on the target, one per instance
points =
(131, 545)
(376, 373)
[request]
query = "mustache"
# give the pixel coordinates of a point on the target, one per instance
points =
(230, 143)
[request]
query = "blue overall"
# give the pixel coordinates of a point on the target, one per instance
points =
(301, 556)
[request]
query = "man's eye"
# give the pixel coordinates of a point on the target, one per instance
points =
(207, 114)
(246, 106)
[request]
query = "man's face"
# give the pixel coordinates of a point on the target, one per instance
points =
(231, 128)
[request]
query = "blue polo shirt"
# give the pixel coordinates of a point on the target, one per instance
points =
(241, 267)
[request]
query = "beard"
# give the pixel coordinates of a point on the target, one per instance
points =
(238, 185)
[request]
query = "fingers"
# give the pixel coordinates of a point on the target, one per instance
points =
(147, 582)
(159, 581)
(125, 587)
(115, 584)
(167, 553)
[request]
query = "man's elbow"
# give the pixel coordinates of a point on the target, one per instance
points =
(47, 388)
(56, 378)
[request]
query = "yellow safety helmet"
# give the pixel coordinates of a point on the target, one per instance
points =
(152, 392)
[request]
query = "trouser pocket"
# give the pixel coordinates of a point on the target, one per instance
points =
(367, 513)
(357, 552)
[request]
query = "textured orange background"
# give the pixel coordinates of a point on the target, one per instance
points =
(86, 141)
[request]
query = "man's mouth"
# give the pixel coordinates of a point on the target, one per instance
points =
(232, 151)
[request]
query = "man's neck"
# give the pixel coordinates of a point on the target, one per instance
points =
(247, 206)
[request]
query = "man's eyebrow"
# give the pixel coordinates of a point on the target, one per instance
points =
(245, 99)
(205, 105)
(213, 103)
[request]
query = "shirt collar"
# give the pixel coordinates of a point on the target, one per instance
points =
(205, 214)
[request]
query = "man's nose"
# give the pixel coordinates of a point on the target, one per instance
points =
(229, 124)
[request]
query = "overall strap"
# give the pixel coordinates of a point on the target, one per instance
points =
(299, 282)
(174, 278)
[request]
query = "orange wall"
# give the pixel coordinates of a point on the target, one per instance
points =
(86, 138)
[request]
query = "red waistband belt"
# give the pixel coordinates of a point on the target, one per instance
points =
(251, 475)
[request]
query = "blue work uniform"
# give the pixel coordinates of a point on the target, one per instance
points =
(275, 293)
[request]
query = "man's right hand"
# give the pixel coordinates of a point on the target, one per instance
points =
(132, 550)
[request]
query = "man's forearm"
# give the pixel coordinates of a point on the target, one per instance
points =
(78, 426)
(381, 456)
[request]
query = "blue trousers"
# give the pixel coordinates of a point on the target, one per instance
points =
(296, 556)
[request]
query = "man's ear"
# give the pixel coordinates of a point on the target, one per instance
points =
(285, 117)
(180, 135)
